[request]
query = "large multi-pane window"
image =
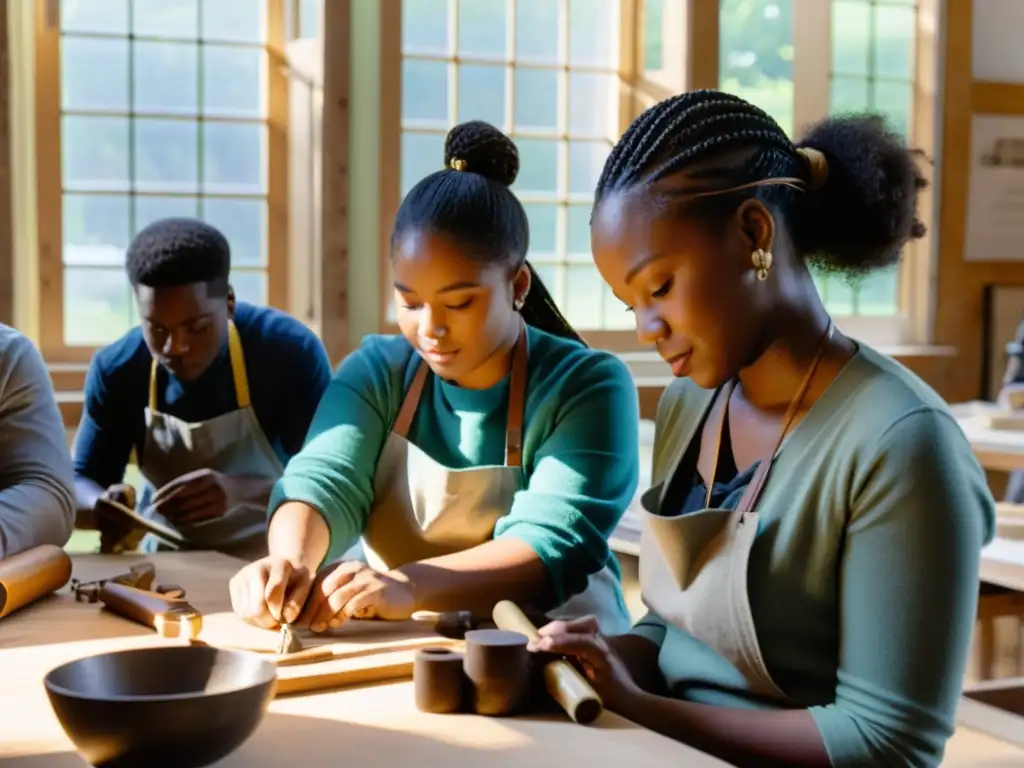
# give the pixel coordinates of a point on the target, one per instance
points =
(873, 68)
(756, 54)
(163, 111)
(545, 72)
(872, 46)
(553, 74)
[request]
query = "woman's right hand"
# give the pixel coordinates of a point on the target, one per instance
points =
(271, 592)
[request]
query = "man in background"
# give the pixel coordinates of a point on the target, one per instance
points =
(212, 394)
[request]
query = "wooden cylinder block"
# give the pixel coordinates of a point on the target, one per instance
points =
(439, 682)
(497, 666)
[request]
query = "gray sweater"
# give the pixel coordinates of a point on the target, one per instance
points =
(36, 474)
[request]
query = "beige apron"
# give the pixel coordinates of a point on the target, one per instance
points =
(423, 509)
(693, 566)
(232, 444)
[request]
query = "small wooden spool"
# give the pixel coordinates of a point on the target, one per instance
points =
(438, 680)
(497, 666)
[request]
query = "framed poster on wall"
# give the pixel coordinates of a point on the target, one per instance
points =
(995, 198)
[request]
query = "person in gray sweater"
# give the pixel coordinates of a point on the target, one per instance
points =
(36, 474)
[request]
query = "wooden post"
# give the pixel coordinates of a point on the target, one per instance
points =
(334, 157)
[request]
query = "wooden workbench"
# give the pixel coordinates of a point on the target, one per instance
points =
(373, 725)
(1001, 450)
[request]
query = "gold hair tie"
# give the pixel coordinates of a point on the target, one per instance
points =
(817, 164)
(457, 164)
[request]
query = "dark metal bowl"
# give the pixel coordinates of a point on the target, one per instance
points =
(185, 706)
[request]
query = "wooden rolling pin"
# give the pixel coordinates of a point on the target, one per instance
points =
(169, 616)
(30, 575)
(565, 684)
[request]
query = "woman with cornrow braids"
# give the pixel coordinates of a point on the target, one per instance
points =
(483, 454)
(811, 543)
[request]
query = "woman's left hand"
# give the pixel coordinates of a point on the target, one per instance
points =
(353, 590)
(582, 639)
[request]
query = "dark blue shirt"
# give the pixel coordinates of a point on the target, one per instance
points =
(288, 371)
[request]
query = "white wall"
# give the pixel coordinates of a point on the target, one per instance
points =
(998, 36)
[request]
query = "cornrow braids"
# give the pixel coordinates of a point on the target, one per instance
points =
(858, 220)
(692, 127)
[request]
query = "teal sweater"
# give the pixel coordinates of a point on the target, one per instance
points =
(580, 461)
(863, 579)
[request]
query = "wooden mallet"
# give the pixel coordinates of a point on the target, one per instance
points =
(565, 684)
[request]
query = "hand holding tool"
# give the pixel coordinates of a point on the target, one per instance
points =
(564, 682)
(137, 524)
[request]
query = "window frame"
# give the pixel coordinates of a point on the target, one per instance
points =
(695, 64)
(48, 177)
(912, 325)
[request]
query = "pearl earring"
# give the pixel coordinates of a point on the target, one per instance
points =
(762, 262)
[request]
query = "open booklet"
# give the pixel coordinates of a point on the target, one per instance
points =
(142, 525)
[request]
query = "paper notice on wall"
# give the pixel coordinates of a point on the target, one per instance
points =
(995, 200)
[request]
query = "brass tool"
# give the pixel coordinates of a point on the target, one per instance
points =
(140, 576)
(290, 642)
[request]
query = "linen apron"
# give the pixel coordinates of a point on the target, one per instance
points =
(233, 444)
(693, 567)
(423, 509)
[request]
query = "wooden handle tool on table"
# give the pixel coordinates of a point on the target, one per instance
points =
(340, 651)
(30, 575)
(169, 616)
(564, 682)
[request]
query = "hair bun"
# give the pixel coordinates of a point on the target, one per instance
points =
(479, 147)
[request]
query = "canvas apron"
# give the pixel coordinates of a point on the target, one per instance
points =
(232, 444)
(693, 567)
(423, 509)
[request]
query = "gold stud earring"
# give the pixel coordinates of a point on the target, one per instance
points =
(762, 262)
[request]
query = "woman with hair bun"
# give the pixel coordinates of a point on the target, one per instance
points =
(811, 543)
(483, 454)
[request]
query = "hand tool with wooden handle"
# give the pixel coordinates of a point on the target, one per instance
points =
(457, 623)
(564, 682)
(169, 616)
(30, 575)
(140, 576)
(447, 623)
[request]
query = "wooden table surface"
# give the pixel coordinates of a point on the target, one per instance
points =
(372, 725)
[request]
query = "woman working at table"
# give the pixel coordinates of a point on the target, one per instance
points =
(811, 544)
(484, 454)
